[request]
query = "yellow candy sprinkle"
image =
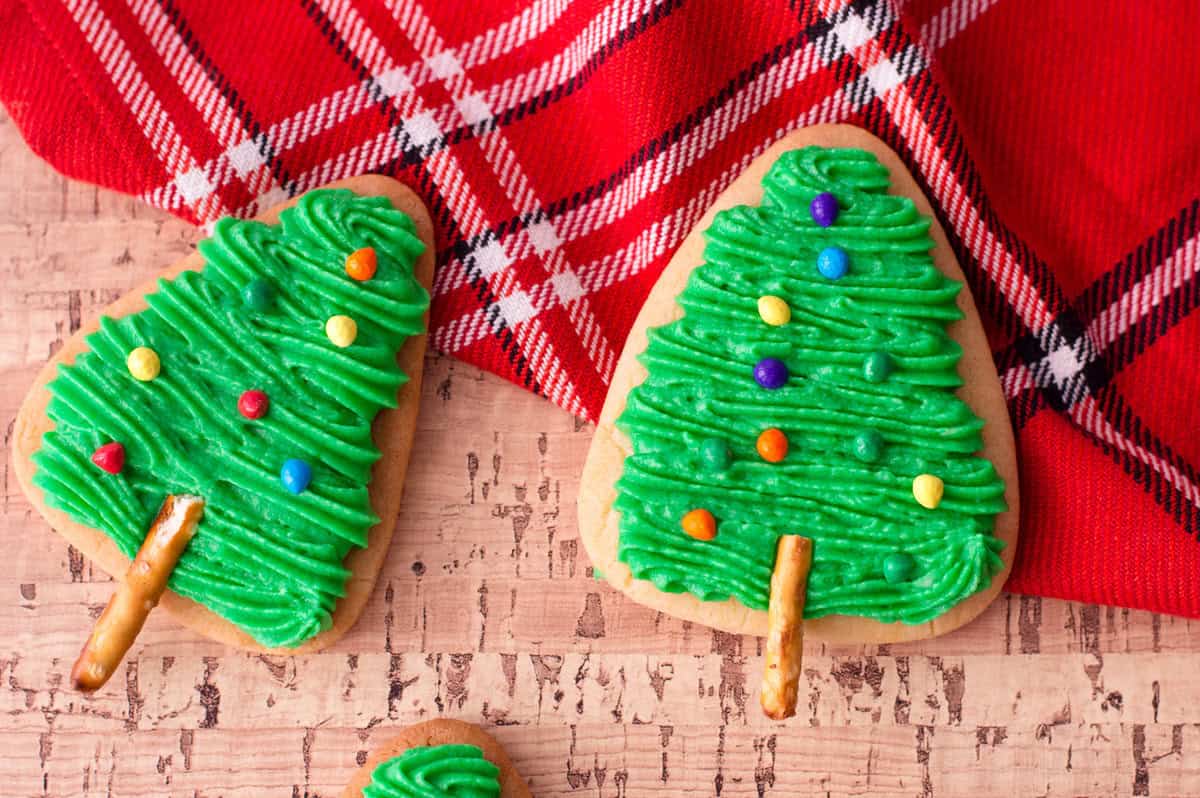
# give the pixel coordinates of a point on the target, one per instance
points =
(774, 311)
(928, 490)
(342, 330)
(143, 363)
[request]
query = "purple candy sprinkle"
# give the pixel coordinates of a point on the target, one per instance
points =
(824, 209)
(771, 373)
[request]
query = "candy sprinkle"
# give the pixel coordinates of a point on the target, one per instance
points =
(295, 475)
(715, 454)
(253, 404)
(899, 567)
(342, 330)
(868, 446)
(258, 295)
(771, 373)
(824, 209)
(833, 263)
(877, 366)
(772, 445)
(927, 490)
(361, 263)
(700, 524)
(774, 311)
(143, 363)
(110, 457)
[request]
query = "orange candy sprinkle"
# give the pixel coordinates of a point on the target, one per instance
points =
(772, 445)
(361, 263)
(700, 524)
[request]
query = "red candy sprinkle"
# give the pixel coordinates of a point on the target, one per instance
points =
(110, 457)
(253, 404)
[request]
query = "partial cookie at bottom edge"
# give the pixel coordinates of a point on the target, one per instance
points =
(441, 732)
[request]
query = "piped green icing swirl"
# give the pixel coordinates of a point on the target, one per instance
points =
(267, 560)
(893, 301)
(440, 771)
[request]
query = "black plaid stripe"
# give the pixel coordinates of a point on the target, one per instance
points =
(420, 176)
(1169, 312)
(1141, 261)
(1116, 282)
(412, 151)
(850, 28)
(518, 112)
(873, 17)
(228, 92)
(1065, 364)
(935, 111)
(876, 14)
(1175, 502)
(1064, 361)
(818, 32)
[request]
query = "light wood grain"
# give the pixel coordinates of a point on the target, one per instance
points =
(486, 611)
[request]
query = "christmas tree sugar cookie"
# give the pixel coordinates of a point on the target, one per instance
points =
(805, 434)
(438, 759)
(254, 410)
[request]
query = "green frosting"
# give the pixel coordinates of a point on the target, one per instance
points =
(440, 771)
(254, 317)
(869, 405)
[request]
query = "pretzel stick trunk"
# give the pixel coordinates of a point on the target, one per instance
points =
(785, 626)
(138, 594)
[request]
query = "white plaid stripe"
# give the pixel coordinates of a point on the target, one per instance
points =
(654, 242)
(144, 105)
(1178, 269)
(1088, 416)
(1027, 302)
(190, 75)
(672, 161)
(502, 39)
(501, 98)
(1146, 294)
(951, 20)
(516, 185)
(665, 166)
(446, 173)
(335, 108)
(1016, 379)
(615, 267)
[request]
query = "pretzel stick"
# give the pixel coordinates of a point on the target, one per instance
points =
(144, 584)
(785, 626)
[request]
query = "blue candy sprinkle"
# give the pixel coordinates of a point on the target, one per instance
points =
(833, 262)
(295, 475)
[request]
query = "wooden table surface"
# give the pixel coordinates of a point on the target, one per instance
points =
(486, 610)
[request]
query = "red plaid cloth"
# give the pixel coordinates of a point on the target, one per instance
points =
(565, 150)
